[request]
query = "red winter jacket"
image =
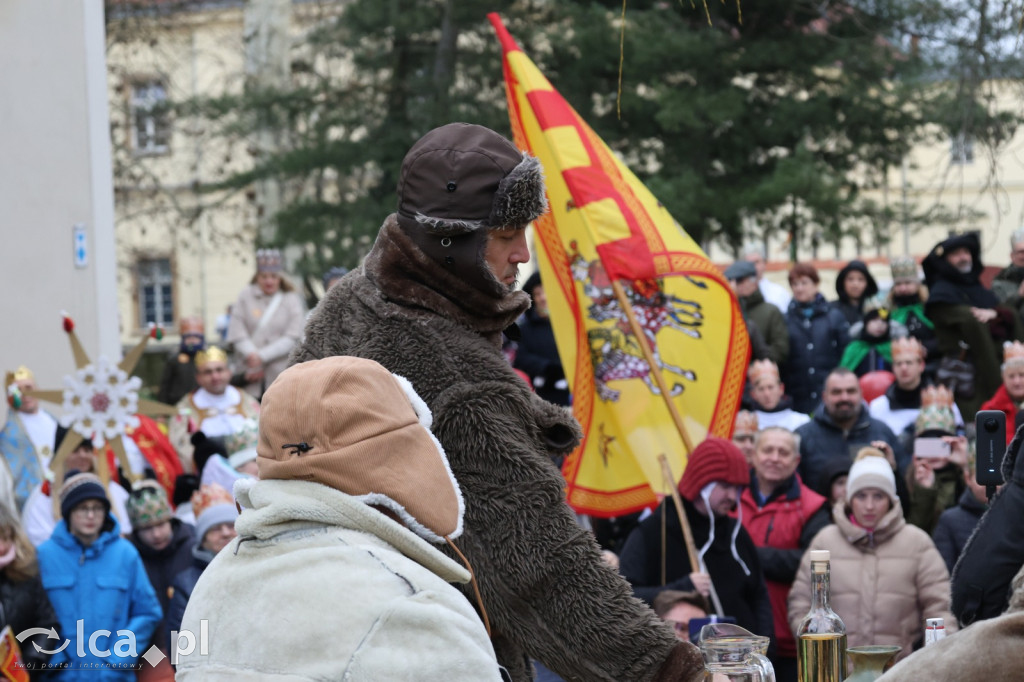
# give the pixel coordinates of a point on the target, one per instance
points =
(781, 530)
(1004, 403)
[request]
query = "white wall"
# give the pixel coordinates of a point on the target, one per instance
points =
(54, 173)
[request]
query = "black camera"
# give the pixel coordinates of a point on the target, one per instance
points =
(990, 426)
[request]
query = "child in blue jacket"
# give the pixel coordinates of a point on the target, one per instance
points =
(96, 582)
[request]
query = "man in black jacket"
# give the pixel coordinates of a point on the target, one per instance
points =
(964, 309)
(995, 553)
(712, 483)
(841, 426)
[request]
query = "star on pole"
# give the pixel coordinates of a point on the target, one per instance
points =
(100, 402)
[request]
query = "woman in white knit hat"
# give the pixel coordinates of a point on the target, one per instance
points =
(887, 576)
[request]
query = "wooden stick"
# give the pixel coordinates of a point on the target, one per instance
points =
(691, 546)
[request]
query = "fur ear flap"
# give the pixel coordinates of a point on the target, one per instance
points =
(426, 419)
(520, 197)
(418, 405)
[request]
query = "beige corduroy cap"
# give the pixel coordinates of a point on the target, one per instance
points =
(350, 424)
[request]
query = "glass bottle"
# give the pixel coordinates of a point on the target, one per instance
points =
(821, 636)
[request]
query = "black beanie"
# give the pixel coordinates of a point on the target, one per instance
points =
(78, 487)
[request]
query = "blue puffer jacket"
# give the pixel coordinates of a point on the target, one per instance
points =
(818, 334)
(105, 587)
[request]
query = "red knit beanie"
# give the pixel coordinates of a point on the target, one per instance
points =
(716, 459)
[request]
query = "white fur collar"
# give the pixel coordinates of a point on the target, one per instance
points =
(272, 507)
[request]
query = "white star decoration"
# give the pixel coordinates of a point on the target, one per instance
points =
(100, 401)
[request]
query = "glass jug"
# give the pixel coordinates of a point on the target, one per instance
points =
(732, 654)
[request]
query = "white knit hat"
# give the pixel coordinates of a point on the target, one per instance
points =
(871, 470)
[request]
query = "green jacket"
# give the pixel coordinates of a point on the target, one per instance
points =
(770, 322)
(1006, 286)
(927, 504)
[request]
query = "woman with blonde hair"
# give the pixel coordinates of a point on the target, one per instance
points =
(267, 321)
(23, 601)
(887, 576)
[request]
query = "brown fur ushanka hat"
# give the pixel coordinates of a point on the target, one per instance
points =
(461, 177)
(457, 183)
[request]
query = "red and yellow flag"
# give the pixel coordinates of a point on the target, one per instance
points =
(604, 225)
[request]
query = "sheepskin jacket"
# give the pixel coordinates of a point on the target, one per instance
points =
(883, 583)
(991, 650)
(274, 340)
(320, 586)
(546, 590)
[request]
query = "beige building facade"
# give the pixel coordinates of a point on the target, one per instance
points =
(181, 250)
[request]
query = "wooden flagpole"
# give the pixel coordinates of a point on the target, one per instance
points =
(645, 348)
(691, 546)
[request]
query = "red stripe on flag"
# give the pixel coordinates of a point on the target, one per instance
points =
(588, 184)
(553, 111)
(627, 258)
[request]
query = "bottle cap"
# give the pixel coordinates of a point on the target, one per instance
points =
(820, 555)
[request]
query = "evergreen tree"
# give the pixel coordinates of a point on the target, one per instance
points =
(779, 119)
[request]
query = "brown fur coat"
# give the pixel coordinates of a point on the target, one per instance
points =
(548, 594)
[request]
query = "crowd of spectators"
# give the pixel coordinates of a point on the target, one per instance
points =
(854, 436)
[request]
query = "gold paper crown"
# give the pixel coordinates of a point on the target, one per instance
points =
(904, 268)
(936, 411)
(210, 354)
(746, 422)
(762, 369)
(20, 374)
(908, 346)
(937, 397)
(1013, 353)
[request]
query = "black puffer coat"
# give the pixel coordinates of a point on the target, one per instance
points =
(853, 311)
(162, 566)
(955, 527)
(818, 334)
(740, 586)
(995, 552)
(25, 605)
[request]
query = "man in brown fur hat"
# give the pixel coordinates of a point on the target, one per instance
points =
(430, 303)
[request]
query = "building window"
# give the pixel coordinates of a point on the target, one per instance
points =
(151, 127)
(962, 149)
(156, 293)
